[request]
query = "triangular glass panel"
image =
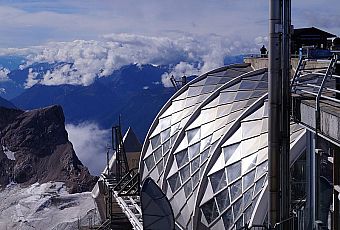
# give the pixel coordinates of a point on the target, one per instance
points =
(235, 190)
(258, 114)
(261, 169)
(188, 188)
(224, 80)
(213, 103)
(196, 123)
(194, 91)
(259, 185)
(158, 154)
(264, 128)
(262, 155)
(200, 83)
(248, 180)
(218, 225)
(238, 208)
(210, 210)
(234, 171)
(223, 110)
(183, 145)
(264, 77)
(251, 128)
(250, 146)
(182, 157)
(208, 89)
(195, 164)
(223, 200)
(194, 150)
(185, 173)
(212, 80)
(239, 105)
(150, 162)
(156, 131)
(160, 167)
(191, 101)
(247, 197)
(262, 85)
(174, 182)
(148, 152)
(263, 140)
(218, 180)
(205, 143)
(218, 166)
(234, 87)
(227, 97)
(243, 95)
(228, 219)
(229, 151)
(182, 95)
(208, 194)
(258, 93)
(155, 141)
(236, 137)
(193, 135)
(173, 170)
(207, 129)
(165, 135)
(246, 84)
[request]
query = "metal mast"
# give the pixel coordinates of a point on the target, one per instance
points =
(279, 105)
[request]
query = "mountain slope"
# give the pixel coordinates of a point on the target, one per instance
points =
(5, 103)
(35, 148)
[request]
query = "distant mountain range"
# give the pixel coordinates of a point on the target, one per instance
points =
(134, 92)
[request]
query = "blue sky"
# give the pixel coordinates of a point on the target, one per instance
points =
(33, 22)
(101, 36)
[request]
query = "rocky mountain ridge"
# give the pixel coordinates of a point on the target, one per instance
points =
(34, 147)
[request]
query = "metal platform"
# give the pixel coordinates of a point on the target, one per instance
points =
(315, 98)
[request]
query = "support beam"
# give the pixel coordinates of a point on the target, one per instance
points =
(275, 80)
(279, 113)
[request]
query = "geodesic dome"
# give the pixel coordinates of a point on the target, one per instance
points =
(207, 149)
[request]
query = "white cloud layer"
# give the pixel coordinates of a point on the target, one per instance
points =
(89, 143)
(84, 61)
(4, 74)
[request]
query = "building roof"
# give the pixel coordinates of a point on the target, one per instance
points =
(312, 31)
(131, 142)
(207, 149)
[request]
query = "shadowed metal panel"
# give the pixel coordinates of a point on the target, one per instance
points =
(157, 212)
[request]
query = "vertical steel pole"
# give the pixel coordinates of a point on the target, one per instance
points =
(336, 181)
(285, 115)
(310, 215)
(275, 29)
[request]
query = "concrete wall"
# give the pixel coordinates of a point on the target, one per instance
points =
(259, 63)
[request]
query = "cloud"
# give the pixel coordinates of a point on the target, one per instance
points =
(181, 69)
(82, 61)
(4, 74)
(89, 143)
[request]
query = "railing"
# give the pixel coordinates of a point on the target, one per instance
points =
(126, 193)
(317, 82)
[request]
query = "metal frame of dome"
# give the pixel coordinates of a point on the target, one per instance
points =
(187, 202)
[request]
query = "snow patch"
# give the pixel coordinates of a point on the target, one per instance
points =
(45, 206)
(9, 154)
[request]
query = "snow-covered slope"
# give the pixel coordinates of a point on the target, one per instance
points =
(45, 206)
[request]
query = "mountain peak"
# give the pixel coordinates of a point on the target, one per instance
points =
(42, 151)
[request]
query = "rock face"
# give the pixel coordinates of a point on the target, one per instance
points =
(39, 143)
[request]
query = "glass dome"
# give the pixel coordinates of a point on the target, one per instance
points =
(207, 149)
